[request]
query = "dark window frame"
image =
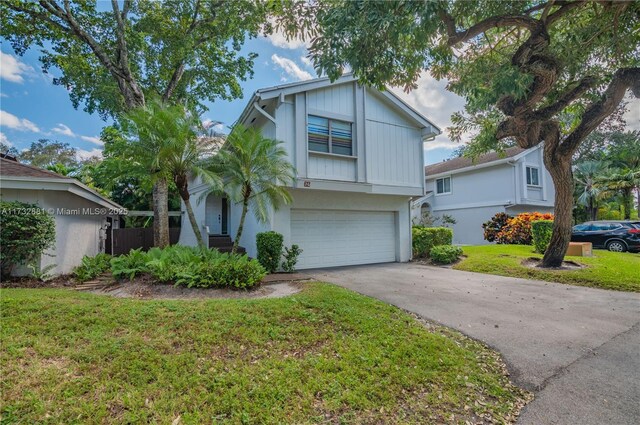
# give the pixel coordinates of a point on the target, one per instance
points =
(444, 191)
(530, 176)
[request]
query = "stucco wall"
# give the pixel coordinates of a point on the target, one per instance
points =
(76, 235)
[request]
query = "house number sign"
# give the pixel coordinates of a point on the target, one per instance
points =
(307, 183)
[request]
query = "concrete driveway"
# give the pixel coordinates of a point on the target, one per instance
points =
(577, 348)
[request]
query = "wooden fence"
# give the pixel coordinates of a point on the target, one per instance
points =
(124, 240)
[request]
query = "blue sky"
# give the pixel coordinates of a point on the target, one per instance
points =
(33, 108)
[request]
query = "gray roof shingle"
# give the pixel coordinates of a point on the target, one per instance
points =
(462, 162)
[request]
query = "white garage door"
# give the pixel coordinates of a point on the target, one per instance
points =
(341, 238)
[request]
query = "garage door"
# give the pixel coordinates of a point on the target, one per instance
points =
(341, 238)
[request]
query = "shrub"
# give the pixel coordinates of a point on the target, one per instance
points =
(518, 229)
(223, 270)
(269, 246)
(541, 231)
(26, 231)
(493, 227)
(425, 238)
(91, 267)
(445, 254)
(129, 265)
(191, 267)
(291, 258)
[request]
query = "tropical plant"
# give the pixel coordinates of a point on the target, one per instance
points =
(425, 238)
(91, 267)
(541, 231)
(26, 231)
(621, 182)
(517, 230)
(255, 172)
(586, 175)
(170, 143)
(269, 247)
(494, 226)
(41, 273)
(531, 72)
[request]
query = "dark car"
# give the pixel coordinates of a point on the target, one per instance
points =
(617, 236)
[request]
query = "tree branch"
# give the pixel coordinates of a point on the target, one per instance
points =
(38, 15)
(456, 37)
(565, 99)
(622, 80)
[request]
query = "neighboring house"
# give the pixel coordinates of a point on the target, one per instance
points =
(81, 214)
(472, 192)
(358, 153)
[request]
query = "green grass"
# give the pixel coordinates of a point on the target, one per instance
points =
(608, 270)
(325, 355)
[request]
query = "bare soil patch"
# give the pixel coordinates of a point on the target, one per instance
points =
(533, 262)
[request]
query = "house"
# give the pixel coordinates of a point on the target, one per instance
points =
(82, 216)
(472, 192)
(358, 153)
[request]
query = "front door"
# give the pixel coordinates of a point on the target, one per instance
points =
(213, 215)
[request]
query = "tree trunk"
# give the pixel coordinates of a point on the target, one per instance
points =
(638, 193)
(161, 213)
(560, 170)
(182, 183)
(627, 203)
(245, 208)
(593, 210)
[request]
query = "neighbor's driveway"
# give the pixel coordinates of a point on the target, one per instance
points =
(577, 348)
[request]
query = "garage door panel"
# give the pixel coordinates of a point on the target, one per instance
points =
(336, 237)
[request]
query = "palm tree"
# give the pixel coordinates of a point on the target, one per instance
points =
(621, 182)
(255, 172)
(586, 175)
(171, 146)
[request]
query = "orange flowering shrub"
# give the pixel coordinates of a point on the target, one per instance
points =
(518, 229)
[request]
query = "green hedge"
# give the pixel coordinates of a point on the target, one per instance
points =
(425, 238)
(445, 254)
(269, 245)
(541, 231)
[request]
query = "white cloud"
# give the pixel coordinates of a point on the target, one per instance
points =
(64, 130)
(305, 60)
(440, 143)
(290, 68)
(278, 39)
(94, 140)
(12, 69)
(21, 124)
(4, 139)
(82, 154)
(4, 95)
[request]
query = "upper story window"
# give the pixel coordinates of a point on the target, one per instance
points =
(330, 136)
(533, 176)
(443, 185)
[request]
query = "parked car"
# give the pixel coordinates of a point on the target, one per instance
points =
(617, 236)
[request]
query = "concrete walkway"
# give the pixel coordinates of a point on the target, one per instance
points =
(577, 348)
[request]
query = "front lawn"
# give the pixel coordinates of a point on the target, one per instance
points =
(325, 355)
(608, 270)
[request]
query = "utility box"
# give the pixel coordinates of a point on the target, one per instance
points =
(580, 249)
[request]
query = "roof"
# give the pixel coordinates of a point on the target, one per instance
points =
(15, 175)
(462, 162)
(275, 92)
(16, 169)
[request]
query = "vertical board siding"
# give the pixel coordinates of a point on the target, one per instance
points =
(331, 168)
(395, 154)
(338, 99)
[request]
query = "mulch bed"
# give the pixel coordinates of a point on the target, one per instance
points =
(566, 265)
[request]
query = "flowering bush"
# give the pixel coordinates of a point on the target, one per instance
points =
(517, 230)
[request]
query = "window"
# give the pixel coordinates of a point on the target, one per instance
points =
(533, 178)
(443, 185)
(329, 135)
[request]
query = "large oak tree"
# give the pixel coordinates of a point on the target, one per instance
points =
(113, 56)
(531, 71)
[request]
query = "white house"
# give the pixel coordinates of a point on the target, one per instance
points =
(81, 214)
(358, 153)
(473, 192)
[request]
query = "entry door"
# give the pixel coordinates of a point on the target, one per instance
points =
(340, 238)
(213, 215)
